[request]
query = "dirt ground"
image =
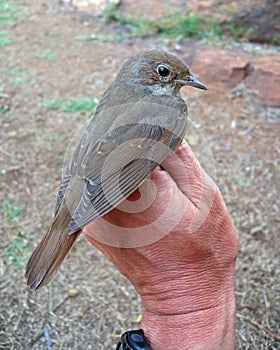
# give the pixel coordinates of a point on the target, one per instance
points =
(90, 304)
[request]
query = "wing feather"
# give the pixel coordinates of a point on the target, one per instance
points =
(125, 171)
(106, 197)
(63, 186)
(102, 173)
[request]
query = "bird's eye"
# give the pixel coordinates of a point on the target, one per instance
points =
(163, 71)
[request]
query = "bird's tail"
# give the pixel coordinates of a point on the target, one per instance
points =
(48, 256)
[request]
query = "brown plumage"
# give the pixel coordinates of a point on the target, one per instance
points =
(140, 118)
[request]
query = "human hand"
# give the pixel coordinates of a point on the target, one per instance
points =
(179, 252)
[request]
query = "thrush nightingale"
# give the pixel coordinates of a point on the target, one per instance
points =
(139, 120)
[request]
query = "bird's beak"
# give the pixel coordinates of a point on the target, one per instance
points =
(191, 81)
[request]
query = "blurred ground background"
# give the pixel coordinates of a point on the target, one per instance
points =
(57, 58)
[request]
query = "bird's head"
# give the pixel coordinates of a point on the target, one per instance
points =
(158, 71)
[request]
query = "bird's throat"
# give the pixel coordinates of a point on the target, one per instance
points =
(163, 90)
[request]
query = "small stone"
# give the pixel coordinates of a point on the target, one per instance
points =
(73, 292)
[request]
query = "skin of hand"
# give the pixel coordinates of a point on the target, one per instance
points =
(186, 276)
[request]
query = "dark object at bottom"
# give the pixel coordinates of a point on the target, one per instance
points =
(133, 340)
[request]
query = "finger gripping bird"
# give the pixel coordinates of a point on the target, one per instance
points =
(140, 118)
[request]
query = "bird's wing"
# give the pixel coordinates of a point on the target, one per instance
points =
(63, 186)
(115, 166)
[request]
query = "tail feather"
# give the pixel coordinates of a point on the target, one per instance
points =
(48, 256)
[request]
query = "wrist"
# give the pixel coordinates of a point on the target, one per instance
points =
(210, 329)
(196, 315)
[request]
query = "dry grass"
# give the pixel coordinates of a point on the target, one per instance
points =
(89, 304)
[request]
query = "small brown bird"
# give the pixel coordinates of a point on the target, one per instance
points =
(140, 118)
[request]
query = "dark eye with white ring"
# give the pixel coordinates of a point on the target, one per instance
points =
(163, 71)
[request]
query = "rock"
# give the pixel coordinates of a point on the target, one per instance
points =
(258, 73)
(220, 65)
(265, 78)
(261, 22)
